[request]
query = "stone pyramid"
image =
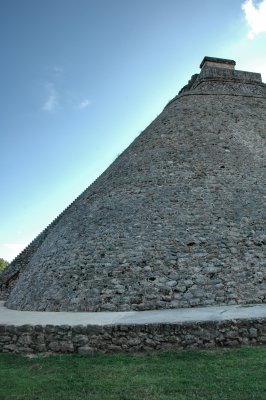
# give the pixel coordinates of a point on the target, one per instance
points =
(178, 220)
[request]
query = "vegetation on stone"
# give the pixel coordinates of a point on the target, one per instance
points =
(3, 264)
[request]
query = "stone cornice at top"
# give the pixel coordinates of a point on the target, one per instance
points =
(218, 76)
(218, 62)
(231, 74)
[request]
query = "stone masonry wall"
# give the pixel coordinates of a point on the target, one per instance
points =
(167, 228)
(130, 338)
(11, 274)
(178, 220)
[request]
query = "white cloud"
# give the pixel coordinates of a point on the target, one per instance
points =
(256, 17)
(84, 103)
(51, 103)
(10, 250)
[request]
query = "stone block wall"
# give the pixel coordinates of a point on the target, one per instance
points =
(178, 220)
(131, 338)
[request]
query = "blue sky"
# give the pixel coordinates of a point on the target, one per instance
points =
(80, 79)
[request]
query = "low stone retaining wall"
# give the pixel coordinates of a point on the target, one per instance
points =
(131, 338)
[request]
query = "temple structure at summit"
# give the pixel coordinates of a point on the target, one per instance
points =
(178, 219)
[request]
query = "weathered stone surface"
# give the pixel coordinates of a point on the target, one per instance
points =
(178, 220)
(86, 350)
(139, 338)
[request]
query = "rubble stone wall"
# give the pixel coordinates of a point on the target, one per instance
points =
(131, 338)
(178, 220)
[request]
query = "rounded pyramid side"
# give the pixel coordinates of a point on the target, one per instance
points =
(177, 220)
(11, 274)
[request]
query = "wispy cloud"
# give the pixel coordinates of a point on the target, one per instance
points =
(256, 17)
(58, 95)
(84, 103)
(58, 70)
(10, 250)
(51, 103)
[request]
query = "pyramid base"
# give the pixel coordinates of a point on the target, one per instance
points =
(131, 332)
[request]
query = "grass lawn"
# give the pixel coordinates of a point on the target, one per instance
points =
(223, 374)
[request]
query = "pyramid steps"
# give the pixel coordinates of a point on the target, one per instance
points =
(178, 220)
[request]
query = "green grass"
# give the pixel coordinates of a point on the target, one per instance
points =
(231, 374)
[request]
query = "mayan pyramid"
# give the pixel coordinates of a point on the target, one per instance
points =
(178, 219)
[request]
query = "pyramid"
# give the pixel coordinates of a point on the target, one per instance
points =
(178, 219)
